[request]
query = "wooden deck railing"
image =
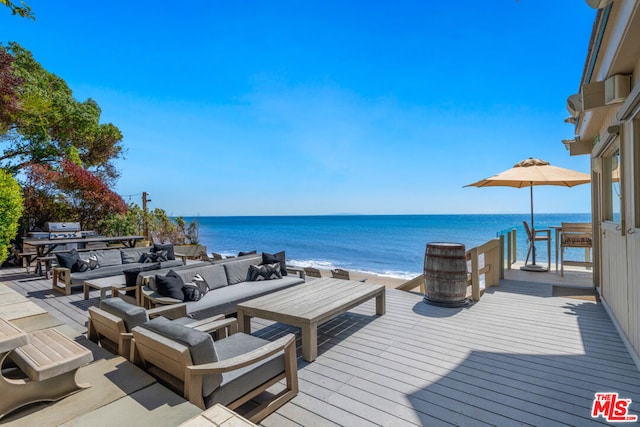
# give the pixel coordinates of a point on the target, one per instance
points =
(510, 237)
(492, 269)
(485, 260)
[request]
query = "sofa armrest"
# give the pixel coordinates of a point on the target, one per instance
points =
(173, 311)
(62, 275)
(150, 298)
(297, 270)
(183, 257)
(243, 360)
(222, 327)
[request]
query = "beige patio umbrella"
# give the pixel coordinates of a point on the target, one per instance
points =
(529, 173)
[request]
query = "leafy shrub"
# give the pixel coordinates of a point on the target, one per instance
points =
(10, 211)
(162, 228)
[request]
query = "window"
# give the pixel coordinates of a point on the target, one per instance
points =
(611, 181)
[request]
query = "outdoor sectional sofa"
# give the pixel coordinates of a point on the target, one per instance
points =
(111, 262)
(228, 283)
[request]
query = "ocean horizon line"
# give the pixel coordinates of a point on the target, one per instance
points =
(378, 214)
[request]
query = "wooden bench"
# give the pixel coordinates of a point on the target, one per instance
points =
(50, 360)
(43, 265)
(24, 258)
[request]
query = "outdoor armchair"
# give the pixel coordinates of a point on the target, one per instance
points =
(312, 272)
(230, 371)
(339, 273)
(111, 324)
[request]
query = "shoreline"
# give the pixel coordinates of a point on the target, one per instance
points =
(389, 282)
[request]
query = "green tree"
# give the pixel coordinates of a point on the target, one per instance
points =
(9, 84)
(21, 10)
(10, 211)
(68, 193)
(124, 224)
(162, 228)
(50, 124)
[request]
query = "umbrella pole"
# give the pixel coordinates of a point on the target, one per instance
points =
(533, 229)
(533, 266)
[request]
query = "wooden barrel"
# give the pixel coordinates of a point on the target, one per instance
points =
(445, 274)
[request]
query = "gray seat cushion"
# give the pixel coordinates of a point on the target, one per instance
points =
(214, 275)
(78, 277)
(237, 383)
(171, 263)
(132, 315)
(131, 255)
(108, 257)
(224, 300)
(164, 270)
(238, 271)
(200, 345)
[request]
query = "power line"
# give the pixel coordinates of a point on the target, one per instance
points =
(129, 197)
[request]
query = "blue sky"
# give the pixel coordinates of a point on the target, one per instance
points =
(296, 108)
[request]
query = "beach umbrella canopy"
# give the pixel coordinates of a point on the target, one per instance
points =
(531, 172)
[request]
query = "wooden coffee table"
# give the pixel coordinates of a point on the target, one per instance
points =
(103, 284)
(310, 304)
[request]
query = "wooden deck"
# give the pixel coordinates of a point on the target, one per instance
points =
(520, 356)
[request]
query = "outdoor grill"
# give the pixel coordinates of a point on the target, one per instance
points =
(63, 230)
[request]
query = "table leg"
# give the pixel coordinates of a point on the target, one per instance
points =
(85, 288)
(244, 322)
(309, 341)
(557, 239)
(103, 293)
(380, 303)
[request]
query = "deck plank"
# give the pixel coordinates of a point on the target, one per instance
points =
(519, 356)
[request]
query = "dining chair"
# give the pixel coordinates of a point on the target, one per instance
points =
(537, 235)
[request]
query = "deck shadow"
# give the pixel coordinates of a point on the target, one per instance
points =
(22, 277)
(84, 304)
(330, 333)
(41, 294)
(429, 310)
(537, 389)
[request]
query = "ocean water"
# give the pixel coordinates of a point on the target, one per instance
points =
(387, 245)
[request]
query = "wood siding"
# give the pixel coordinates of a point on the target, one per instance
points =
(615, 288)
(633, 254)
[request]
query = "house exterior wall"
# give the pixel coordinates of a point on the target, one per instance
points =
(617, 240)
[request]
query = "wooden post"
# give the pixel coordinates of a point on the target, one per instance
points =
(145, 213)
(501, 275)
(509, 249)
(515, 249)
(475, 275)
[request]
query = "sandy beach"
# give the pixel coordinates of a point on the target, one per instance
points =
(389, 282)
